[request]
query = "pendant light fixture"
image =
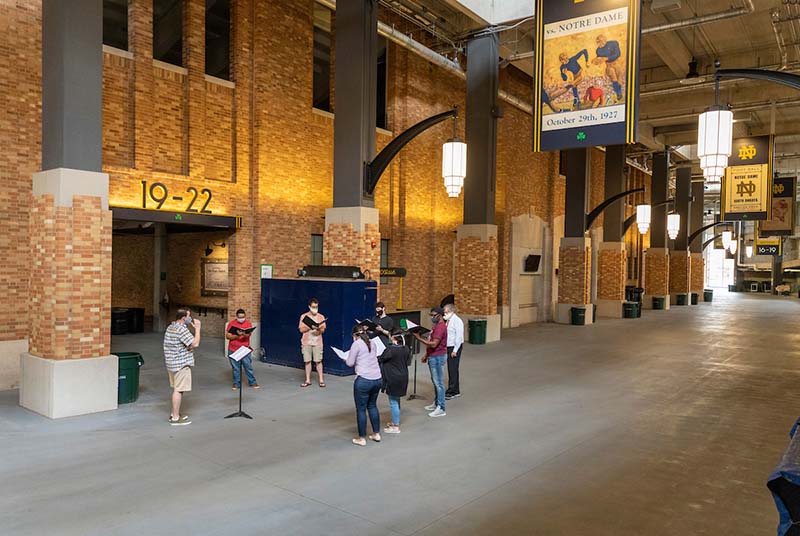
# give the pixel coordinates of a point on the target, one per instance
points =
(454, 163)
(643, 218)
(673, 225)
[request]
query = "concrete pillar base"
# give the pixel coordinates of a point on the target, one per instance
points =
(647, 301)
(68, 387)
(564, 315)
(493, 325)
(609, 308)
(9, 362)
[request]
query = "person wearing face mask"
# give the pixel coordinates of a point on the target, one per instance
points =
(385, 325)
(455, 343)
(311, 341)
(435, 356)
(367, 385)
(238, 337)
(394, 369)
(179, 345)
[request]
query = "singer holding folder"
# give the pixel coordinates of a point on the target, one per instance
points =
(312, 326)
(238, 334)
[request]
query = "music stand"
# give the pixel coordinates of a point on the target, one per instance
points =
(240, 413)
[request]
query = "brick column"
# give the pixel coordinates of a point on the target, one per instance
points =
(68, 369)
(140, 32)
(352, 238)
(698, 274)
(612, 268)
(656, 277)
(679, 275)
(574, 278)
(476, 275)
(194, 59)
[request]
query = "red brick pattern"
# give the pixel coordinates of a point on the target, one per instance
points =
(344, 246)
(574, 275)
(70, 289)
(679, 273)
(611, 274)
(656, 273)
(476, 276)
(698, 272)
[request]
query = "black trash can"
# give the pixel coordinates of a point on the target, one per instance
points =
(128, 387)
(659, 303)
(477, 330)
(120, 321)
(681, 299)
(708, 295)
(731, 288)
(695, 297)
(136, 320)
(638, 309)
(578, 316)
(629, 310)
(629, 293)
(636, 294)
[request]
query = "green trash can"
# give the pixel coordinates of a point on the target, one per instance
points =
(629, 309)
(578, 315)
(638, 309)
(659, 303)
(682, 299)
(695, 298)
(129, 363)
(708, 295)
(477, 331)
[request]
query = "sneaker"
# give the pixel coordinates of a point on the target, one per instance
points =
(451, 397)
(255, 386)
(391, 430)
(235, 387)
(438, 412)
(431, 407)
(183, 421)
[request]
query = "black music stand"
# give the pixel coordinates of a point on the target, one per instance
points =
(240, 413)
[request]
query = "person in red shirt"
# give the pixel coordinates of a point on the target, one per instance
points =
(436, 357)
(594, 95)
(236, 340)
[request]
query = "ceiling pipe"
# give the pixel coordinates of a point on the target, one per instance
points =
(702, 19)
(776, 29)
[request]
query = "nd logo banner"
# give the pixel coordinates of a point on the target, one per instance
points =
(747, 186)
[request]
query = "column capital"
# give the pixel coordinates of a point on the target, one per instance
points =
(483, 231)
(358, 217)
(63, 184)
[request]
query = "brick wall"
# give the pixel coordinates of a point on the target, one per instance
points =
(476, 276)
(611, 274)
(118, 125)
(656, 273)
(574, 275)
(698, 273)
(679, 272)
(132, 272)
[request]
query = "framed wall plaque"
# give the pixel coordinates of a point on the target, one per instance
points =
(214, 277)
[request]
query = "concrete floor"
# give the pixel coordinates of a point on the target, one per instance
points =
(665, 425)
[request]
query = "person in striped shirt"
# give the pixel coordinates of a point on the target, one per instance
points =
(179, 345)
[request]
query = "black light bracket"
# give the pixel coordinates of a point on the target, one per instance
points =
(630, 221)
(590, 217)
(699, 232)
(374, 169)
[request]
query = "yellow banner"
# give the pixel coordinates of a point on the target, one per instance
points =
(747, 192)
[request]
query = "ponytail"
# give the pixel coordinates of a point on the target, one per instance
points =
(359, 331)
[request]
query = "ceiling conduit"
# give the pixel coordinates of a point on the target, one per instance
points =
(702, 19)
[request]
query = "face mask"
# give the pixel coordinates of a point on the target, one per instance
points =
(188, 321)
(313, 309)
(435, 319)
(448, 316)
(378, 312)
(240, 320)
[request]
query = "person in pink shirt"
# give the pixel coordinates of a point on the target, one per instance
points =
(363, 355)
(311, 341)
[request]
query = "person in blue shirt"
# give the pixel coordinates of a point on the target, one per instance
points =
(571, 64)
(608, 52)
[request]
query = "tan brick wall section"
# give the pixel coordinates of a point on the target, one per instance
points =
(574, 275)
(656, 274)
(344, 246)
(132, 272)
(476, 276)
(679, 273)
(611, 274)
(698, 265)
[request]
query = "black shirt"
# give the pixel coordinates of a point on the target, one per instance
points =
(387, 323)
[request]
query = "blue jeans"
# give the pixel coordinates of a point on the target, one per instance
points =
(247, 364)
(365, 394)
(394, 405)
(436, 365)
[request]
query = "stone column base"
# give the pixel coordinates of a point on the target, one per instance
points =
(9, 362)
(493, 325)
(647, 301)
(609, 308)
(68, 387)
(564, 315)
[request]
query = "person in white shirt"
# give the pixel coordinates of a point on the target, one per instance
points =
(455, 343)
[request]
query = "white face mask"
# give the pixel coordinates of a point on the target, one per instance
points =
(313, 309)
(241, 320)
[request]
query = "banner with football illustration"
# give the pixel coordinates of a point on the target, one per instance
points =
(783, 208)
(747, 186)
(586, 73)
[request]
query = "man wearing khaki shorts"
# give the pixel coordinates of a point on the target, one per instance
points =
(311, 340)
(179, 345)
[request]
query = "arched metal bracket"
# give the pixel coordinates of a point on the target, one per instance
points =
(699, 232)
(593, 215)
(710, 240)
(375, 168)
(779, 77)
(630, 221)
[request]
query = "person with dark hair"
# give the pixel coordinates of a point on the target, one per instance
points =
(179, 345)
(455, 343)
(436, 356)
(237, 336)
(311, 340)
(394, 369)
(385, 325)
(367, 385)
